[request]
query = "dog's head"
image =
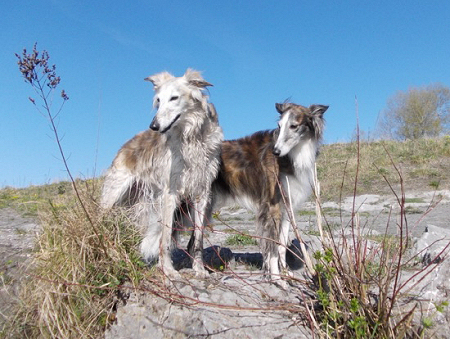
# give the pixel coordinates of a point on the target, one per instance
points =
(176, 95)
(297, 123)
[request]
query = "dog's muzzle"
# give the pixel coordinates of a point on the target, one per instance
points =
(154, 126)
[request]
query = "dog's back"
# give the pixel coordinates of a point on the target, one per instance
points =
(140, 161)
(248, 170)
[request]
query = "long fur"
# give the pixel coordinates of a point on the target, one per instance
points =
(175, 160)
(256, 171)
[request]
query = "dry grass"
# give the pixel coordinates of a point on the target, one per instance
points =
(74, 279)
(358, 284)
(423, 163)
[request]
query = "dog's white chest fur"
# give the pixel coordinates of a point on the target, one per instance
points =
(187, 157)
(299, 186)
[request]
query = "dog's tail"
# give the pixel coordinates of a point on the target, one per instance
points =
(122, 188)
(117, 188)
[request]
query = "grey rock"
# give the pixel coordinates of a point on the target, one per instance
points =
(235, 307)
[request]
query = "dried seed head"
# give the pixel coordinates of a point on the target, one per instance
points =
(36, 70)
(64, 95)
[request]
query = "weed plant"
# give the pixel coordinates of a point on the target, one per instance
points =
(358, 282)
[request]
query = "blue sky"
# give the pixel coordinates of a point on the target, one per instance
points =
(255, 53)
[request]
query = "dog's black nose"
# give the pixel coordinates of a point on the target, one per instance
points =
(276, 152)
(154, 125)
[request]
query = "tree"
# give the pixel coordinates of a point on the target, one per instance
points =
(417, 113)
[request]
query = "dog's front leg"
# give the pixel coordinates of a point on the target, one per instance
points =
(282, 246)
(165, 245)
(200, 221)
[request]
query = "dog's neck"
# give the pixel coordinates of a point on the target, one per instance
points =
(300, 159)
(303, 155)
(297, 171)
(195, 119)
(187, 136)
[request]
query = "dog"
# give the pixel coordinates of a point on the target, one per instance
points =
(174, 161)
(259, 170)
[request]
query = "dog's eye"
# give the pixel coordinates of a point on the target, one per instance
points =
(175, 97)
(293, 126)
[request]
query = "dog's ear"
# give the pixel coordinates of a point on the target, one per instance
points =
(213, 113)
(281, 108)
(316, 119)
(158, 79)
(318, 110)
(195, 78)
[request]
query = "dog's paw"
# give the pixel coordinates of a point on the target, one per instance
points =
(170, 273)
(199, 269)
(288, 273)
(281, 283)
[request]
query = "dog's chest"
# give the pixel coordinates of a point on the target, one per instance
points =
(194, 166)
(300, 183)
(298, 187)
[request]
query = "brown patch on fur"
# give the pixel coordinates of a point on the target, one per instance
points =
(136, 149)
(248, 162)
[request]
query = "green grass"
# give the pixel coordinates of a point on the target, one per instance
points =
(413, 210)
(307, 213)
(390, 243)
(240, 240)
(28, 201)
(434, 184)
(414, 200)
(232, 218)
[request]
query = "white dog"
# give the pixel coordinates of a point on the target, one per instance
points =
(256, 171)
(175, 161)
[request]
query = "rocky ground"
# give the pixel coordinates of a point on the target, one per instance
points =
(17, 236)
(239, 302)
